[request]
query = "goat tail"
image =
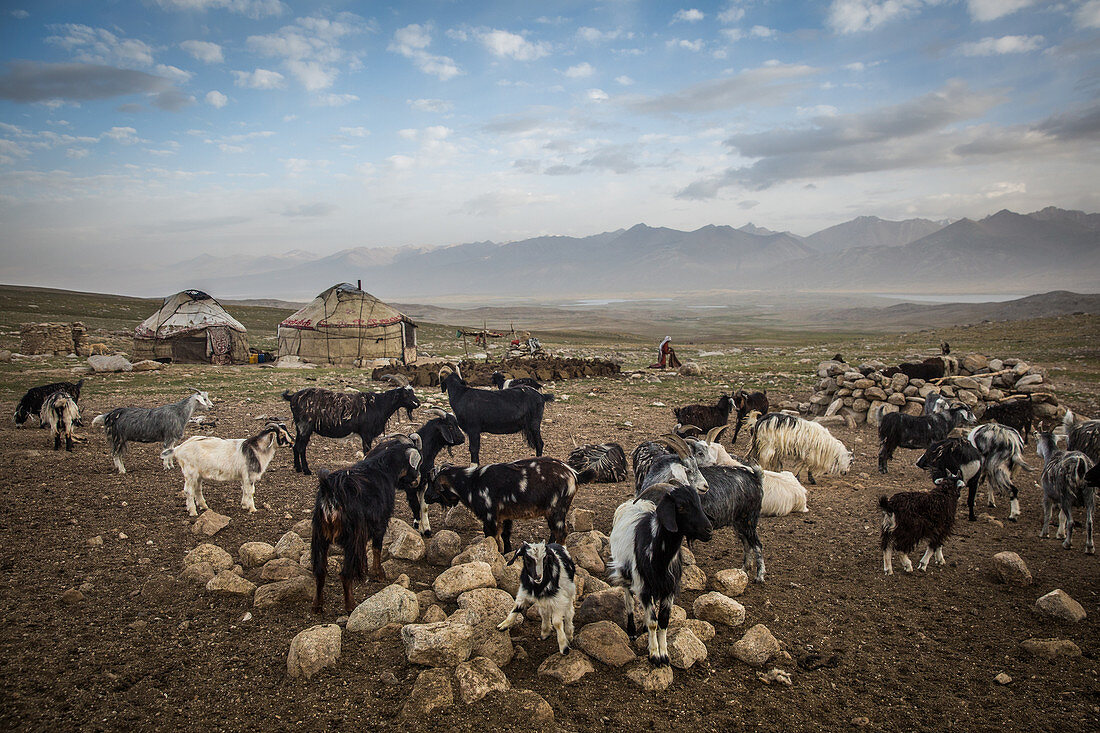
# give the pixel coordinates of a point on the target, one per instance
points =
(99, 421)
(287, 395)
(546, 397)
(884, 505)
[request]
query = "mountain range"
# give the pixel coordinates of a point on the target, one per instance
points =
(1005, 252)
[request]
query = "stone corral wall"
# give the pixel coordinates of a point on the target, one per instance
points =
(477, 373)
(866, 392)
(52, 338)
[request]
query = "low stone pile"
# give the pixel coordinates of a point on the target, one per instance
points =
(865, 392)
(59, 339)
(478, 373)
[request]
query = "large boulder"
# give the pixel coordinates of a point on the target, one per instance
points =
(587, 556)
(485, 605)
(478, 677)
(313, 649)
(604, 605)
(703, 630)
(566, 668)
(226, 581)
(460, 517)
(974, 362)
(605, 642)
(391, 605)
(441, 644)
(431, 691)
(1061, 606)
(685, 648)
(299, 589)
(218, 558)
(110, 364)
(443, 546)
(1008, 567)
(458, 579)
(730, 582)
(757, 646)
(255, 554)
(719, 609)
(581, 519)
(484, 550)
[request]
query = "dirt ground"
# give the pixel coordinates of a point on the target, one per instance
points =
(912, 652)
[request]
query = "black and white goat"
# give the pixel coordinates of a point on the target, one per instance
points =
(746, 402)
(59, 413)
(547, 581)
(1017, 414)
(440, 432)
(898, 430)
(202, 457)
(339, 414)
(911, 516)
(1066, 484)
(705, 417)
(607, 459)
(31, 403)
(646, 536)
(781, 441)
(1082, 435)
(1002, 451)
(501, 382)
(499, 493)
(733, 499)
(933, 403)
(497, 412)
(669, 459)
(163, 424)
(353, 508)
(956, 456)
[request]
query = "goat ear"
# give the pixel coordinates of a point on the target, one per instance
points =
(666, 514)
(414, 457)
(519, 551)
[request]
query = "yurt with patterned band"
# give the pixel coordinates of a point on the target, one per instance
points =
(192, 327)
(346, 326)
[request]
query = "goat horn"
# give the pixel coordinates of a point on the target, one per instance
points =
(436, 411)
(688, 430)
(715, 434)
(399, 380)
(676, 443)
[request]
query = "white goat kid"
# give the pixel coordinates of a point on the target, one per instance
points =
(216, 459)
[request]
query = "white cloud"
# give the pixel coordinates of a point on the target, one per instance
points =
(20, 14)
(853, 16)
(494, 202)
(999, 46)
(99, 46)
(694, 46)
(580, 71)
(983, 10)
(731, 14)
(411, 42)
(354, 131)
(334, 100)
(689, 15)
(820, 110)
(597, 95)
(430, 105)
(249, 8)
(732, 34)
(624, 80)
(512, 45)
(208, 53)
(762, 31)
(594, 35)
(216, 99)
(123, 135)
(770, 83)
(434, 148)
(311, 48)
(298, 166)
(175, 74)
(259, 79)
(1088, 15)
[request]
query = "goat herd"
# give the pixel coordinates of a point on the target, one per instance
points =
(686, 484)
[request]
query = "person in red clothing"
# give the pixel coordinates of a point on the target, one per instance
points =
(666, 355)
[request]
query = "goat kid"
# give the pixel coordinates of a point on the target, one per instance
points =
(59, 413)
(1066, 484)
(202, 457)
(547, 580)
(646, 536)
(162, 424)
(31, 402)
(1002, 450)
(911, 516)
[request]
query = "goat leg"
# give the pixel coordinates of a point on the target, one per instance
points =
(379, 572)
(628, 602)
(349, 600)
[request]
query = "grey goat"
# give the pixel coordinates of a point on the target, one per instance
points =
(149, 425)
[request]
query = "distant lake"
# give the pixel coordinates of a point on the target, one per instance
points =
(983, 298)
(609, 301)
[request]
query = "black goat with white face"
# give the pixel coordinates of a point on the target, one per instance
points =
(547, 580)
(501, 382)
(898, 430)
(957, 456)
(339, 414)
(497, 412)
(353, 508)
(502, 492)
(31, 403)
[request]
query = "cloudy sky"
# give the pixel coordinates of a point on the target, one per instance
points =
(154, 130)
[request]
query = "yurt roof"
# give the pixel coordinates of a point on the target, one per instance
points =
(344, 306)
(187, 310)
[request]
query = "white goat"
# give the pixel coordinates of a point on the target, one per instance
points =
(783, 493)
(216, 459)
(779, 439)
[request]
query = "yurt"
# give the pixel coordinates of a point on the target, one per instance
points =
(192, 327)
(346, 326)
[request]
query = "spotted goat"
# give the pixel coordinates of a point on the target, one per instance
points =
(547, 581)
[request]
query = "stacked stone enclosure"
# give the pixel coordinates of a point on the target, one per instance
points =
(57, 339)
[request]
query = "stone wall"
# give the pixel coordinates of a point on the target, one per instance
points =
(51, 338)
(477, 373)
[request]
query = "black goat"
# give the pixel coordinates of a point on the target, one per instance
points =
(502, 492)
(501, 382)
(898, 430)
(497, 412)
(911, 516)
(1016, 414)
(59, 413)
(746, 402)
(338, 414)
(956, 456)
(353, 508)
(440, 432)
(935, 367)
(705, 417)
(607, 459)
(733, 499)
(32, 401)
(646, 536)
(1083, 436)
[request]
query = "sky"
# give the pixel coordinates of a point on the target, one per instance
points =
(151, 131)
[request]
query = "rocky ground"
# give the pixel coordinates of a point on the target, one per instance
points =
(103, 627)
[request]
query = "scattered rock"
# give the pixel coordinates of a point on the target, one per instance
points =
(484, 550)
(731, 583)
(1002, 679)
(459, 517)
(201, 572)
(477, 678)
(861, 721)
(290, 545)
(508, 579)
(226, 581)
(648, 677)
(210, 523)
(691, 369)
(442, 644)
(147, 365)
(774, 675)
(313, 649)
(1050, 648)
(528, 709)
(685, 648)
(566, 668)
(218, 558)
(1058, 604)
(432, 691)
(1008, 567)
(433, 614)
(719, 609)
(281, 568)
(702, 629)
(110, 364)
(485, 605)
(693, 578)
(255, 554)
(757, 646)
(458, 579)
(588, 557)
(299, 589)
(605, 642)
(96, 541)
(391, 605)
(72, 596)
(591, 583)
(303, 528)
(604, 605)
(443, 546)
(581, 519)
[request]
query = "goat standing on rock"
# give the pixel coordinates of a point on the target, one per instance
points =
(547, 580)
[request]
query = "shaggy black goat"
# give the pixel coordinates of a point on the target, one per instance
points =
(646, 536)
(162, 424)
(32, 401)
(1083, 436)
(497, 412)
(607, 459)
(1066, 484)
(501, 382)
(1017, 414)
(669, 459)
(733, 500)
(338, 414)
(502, 492)
(59, 413)
(1002, 451)
(746, 402)
(353, 508)
(956, 456)
(935, 367)
(705, 417)
(911, 516)
(898, 430)
(547, 580)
